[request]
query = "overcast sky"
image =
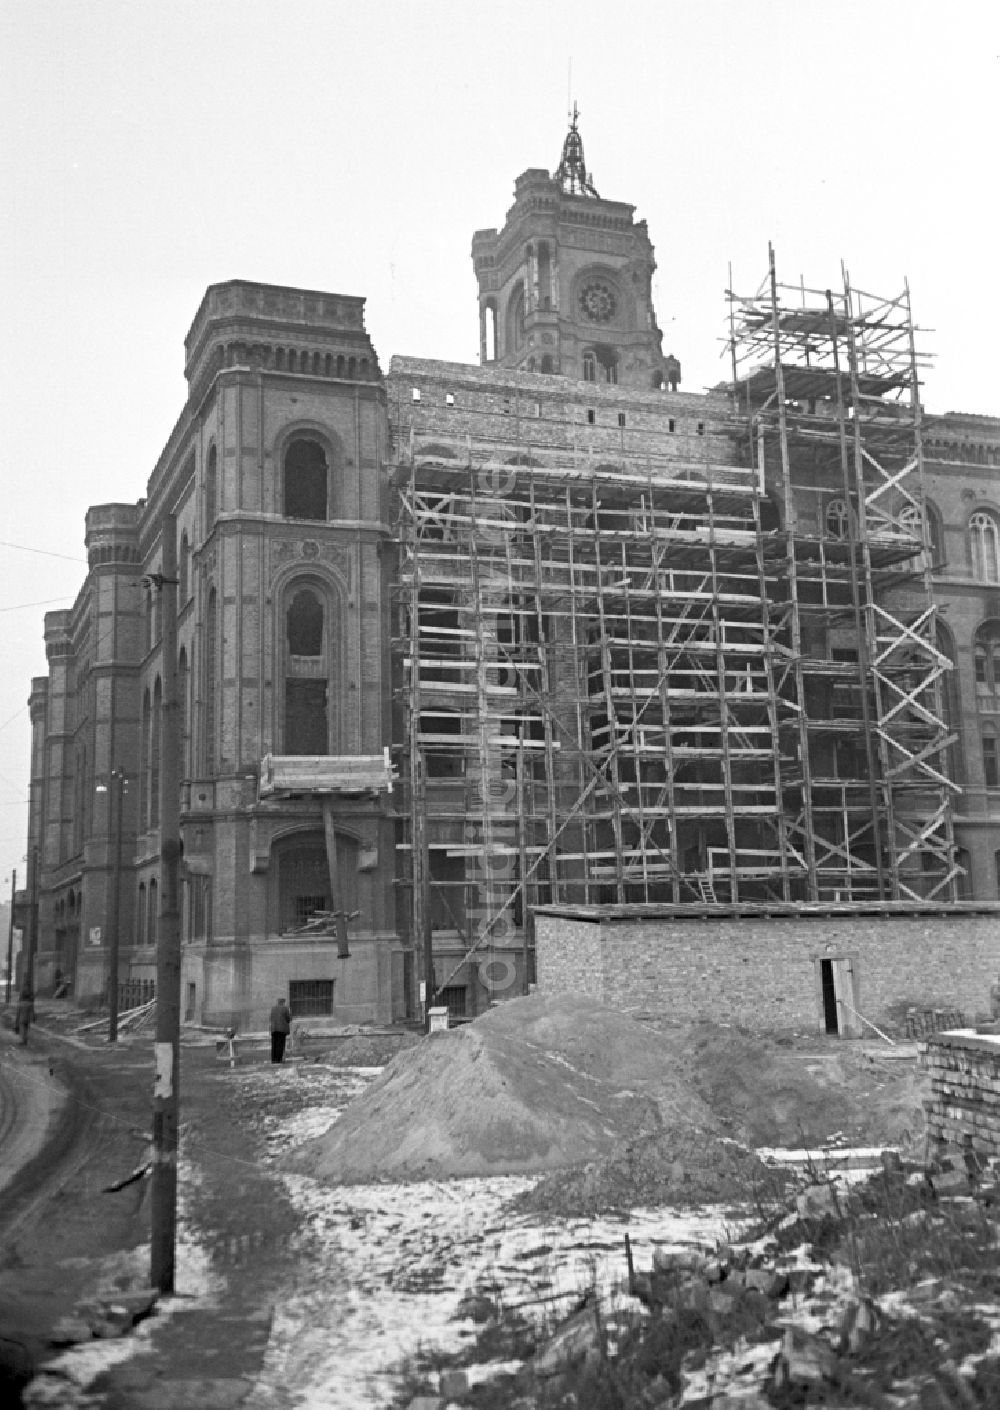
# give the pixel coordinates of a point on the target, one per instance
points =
(150, 149)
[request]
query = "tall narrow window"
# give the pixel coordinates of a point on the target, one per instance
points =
(589, 366)
(154, 755)
(489, 331)
(544, 277)
(991, 761)
(607, 362)
(211, 681)
(140, 915)
(153, 928)
(211, 490)
(515, 320)
(307, 728)
(147, 714)
(984, 535)
(183, 688)
(306, 491)
(838, 522)
(183, 570)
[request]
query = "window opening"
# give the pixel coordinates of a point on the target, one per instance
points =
(454, 997)
(984, 533)
(310, 998)
(211, 489)
(838, 520)
(304, 623)
(305, 481)
(591, 416)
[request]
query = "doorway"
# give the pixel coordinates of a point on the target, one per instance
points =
(838, 996)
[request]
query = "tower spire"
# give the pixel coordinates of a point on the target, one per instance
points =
(572, 172)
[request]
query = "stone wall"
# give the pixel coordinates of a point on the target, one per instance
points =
(964, 1103)
(764, 972)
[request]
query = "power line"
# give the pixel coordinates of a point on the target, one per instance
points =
(47, 552)
(16, 715)
(45, 602)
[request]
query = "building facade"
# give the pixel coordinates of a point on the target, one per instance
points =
(457, 642)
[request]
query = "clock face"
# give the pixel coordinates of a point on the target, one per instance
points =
(598, 302)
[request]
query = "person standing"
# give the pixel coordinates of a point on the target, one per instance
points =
(281, 1026)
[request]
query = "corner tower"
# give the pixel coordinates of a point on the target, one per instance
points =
(566, 285)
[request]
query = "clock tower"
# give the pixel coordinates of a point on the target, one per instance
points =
(566, 285)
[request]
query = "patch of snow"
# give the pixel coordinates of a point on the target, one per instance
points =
(383, 1269)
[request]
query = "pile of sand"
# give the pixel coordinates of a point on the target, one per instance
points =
(541, 1083)
(535, 1084)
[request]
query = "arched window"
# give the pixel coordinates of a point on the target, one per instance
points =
(154, 755)
(547, 362)
(183, 571)
(589, 366)
(211, 679)
(153, 925)
(211, 490)
(838, 519)
(306, 494)
(984, 538)
(307, 727)
(140, 914)
(341, 365)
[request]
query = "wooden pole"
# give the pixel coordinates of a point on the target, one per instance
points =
(336, 898)
(166, 1095)
(10, 935)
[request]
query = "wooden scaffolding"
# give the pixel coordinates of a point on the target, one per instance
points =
(829, 384)
(700, 672)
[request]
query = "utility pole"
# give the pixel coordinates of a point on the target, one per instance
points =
(166, 1097)
(10, 935)
(116, 801)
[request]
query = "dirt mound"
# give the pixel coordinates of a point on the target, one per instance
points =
(678, 1166)
(540, 1084)
(536, 1084)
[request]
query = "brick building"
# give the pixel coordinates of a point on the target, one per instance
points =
(458, 643)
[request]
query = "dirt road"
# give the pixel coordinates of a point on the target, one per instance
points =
(64, 1235)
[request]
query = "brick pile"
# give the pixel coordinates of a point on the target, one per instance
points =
(924, 1023)
(964, 1103)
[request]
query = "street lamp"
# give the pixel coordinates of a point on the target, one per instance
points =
(117, 805)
